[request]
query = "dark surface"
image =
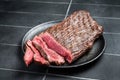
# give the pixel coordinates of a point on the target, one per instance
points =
(19, 16)
(106, 2)
(26, 19)
(97, 9)
(17, 75)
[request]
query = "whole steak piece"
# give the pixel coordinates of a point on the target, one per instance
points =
(76, 34)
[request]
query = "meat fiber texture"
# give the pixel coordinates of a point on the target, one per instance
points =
(68, 40)
(37, 55)
(50, 54)
(38, 51)
(32, 54)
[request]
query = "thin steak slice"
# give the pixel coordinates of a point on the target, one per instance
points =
(76, 33)
(51, 55)
(28, 57)
(37, 55)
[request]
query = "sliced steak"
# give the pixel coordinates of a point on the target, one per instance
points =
(28, 57)
(54, 45)
(76, 33)
(37, 55)
(51, 55)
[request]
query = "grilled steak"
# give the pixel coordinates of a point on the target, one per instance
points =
(73, 36)
(70, 39)
(28, 57)
(37, 55)
(51, 55)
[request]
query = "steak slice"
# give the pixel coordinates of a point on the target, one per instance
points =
(51, 55)
(28, 57)
(37, 55)
(76, 33)
(54, 45)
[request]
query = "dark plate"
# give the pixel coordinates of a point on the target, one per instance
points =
(93, 54)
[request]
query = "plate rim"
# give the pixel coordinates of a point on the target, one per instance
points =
(72, 66)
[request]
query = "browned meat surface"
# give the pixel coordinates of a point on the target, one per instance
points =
(76, 33)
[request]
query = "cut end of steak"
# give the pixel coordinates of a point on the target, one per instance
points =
(76, 33)
(51, 55)
(28, 57)
(54, 45)
(37, 55)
